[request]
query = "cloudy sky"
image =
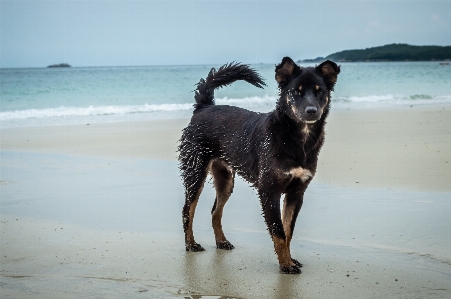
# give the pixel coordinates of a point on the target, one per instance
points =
(124, 32)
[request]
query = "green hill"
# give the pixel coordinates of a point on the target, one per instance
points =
(393, 52)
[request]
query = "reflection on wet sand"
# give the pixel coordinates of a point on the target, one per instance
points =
(217, 278)
(85, 229)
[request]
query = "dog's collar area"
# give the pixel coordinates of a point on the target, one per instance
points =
(310, 121)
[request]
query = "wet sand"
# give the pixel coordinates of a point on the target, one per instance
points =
(94, 211)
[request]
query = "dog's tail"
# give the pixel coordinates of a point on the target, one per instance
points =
(225, 75)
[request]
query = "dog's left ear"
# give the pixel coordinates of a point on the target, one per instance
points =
(329, 70)
(285, 70)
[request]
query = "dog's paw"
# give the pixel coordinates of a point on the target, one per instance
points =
(289, 269)
(297, 263)
(224, 245)
(194, 247)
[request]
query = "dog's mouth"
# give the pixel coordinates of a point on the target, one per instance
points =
(310, 119)
(310, 114)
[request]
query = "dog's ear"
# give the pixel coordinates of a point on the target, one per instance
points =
(285, 70)
(329, 70)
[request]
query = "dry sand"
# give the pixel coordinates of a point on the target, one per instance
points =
(94, 211)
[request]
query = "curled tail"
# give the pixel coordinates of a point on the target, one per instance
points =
(225, 75)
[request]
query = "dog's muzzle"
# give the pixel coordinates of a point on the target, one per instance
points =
(311, 115)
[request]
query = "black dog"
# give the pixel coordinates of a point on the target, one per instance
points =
(276, 152)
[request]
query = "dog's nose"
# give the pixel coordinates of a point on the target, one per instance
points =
(311, 111)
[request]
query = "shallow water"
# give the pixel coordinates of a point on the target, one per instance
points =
(42, 96)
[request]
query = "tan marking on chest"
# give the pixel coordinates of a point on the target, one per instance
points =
(300, 173)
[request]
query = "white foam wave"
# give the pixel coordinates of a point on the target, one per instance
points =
(90, 111)
(249, 102)
(395, 99)
(368, 99)
(261, 104)
(389, 100)
(62, 112)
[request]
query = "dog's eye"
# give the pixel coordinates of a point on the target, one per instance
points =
(320, 92)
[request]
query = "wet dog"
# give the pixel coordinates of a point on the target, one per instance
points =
(276, 152)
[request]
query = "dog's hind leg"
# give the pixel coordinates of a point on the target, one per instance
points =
(223, 177)
(194, 179)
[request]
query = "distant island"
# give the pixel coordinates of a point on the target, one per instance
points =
(392, 52)
(60, 65)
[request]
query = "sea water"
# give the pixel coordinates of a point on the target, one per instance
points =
(59, 96)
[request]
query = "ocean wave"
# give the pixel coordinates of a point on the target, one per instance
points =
(249, 102)
(90, 111)
(391, 99)
(260, 104)
(367, 99)
(61, 112)
(387, 99)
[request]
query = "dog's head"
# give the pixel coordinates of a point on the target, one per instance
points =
(305, 92)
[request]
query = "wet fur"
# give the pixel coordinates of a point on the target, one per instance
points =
(276, 152)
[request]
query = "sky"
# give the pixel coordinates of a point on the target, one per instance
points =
(173, 32)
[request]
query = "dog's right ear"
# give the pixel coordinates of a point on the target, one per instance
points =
(285, 70)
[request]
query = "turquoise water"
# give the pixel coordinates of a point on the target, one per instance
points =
(43, 96)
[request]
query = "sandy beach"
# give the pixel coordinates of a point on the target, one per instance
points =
(94, 211)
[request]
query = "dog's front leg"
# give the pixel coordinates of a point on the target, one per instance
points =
(292, 204)
(270, 202)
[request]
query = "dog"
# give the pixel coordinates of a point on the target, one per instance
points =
(276, 152)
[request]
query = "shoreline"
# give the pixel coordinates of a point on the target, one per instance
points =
(404, 147)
